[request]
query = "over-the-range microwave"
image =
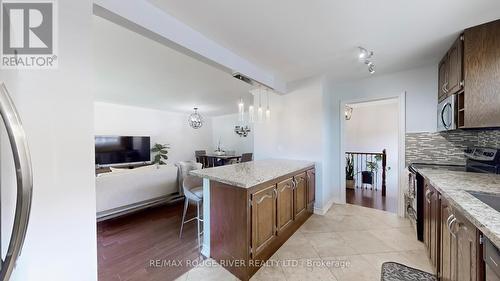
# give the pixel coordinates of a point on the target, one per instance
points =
(447, 114)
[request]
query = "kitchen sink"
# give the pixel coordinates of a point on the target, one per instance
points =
(492, 200)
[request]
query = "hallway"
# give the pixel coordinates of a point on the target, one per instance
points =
(371, 199)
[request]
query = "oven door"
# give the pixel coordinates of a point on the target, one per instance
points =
(446, 117)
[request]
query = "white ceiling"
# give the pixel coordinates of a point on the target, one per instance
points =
(297, 39)
(134, 70)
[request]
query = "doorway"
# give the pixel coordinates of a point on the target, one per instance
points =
(372, 141)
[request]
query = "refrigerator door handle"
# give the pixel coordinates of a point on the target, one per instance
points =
(24, 179)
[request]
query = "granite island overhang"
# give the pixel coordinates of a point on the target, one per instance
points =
(250, 209)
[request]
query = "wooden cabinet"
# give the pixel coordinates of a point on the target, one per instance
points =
(250, 224)
(481, 73)
(311, 189)
(285, 210)
(450, 71)
(460, 247)
(263, 214)
(470, 68)
(432, 223)
(454, 83)
(447, 242)
(467, 248)
(451, 241)
(442, 77)
(300, 202)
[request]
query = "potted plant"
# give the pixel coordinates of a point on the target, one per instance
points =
(160, 151)
(373, 167)
(349, 172)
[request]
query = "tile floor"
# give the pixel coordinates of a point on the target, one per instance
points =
(348, 243)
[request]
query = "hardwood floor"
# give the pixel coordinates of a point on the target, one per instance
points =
(126, 246)
(371, 199)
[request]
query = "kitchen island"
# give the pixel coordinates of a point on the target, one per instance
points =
(250, 209)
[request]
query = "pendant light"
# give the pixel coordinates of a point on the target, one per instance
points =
(268, 111)
(251, 114)
(195, 120)
(259, 110)
(241, 110)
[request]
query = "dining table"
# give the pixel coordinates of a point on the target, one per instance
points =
(213, 158)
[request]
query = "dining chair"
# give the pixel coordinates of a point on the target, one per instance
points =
(192, 188)
(231, 153)
(200, 156)
(246, 157)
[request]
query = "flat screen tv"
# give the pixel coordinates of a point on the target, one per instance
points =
(119, 150)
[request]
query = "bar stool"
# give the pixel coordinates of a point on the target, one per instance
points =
(193, 191)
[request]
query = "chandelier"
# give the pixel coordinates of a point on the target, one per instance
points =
(242, 131)
(195, 120)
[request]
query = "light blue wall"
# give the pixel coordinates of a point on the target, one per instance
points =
(420, 85)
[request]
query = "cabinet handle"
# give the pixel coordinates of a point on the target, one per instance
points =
(451, 225)
(446, 87)
(448, 221)
(493, 261)
(427, 194)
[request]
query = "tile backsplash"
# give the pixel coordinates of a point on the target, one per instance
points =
(447, 147)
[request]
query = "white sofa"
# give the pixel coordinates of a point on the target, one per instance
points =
(125, 190)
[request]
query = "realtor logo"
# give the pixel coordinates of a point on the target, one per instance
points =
(28, 35)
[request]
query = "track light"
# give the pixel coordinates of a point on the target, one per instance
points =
(371, 68)
(364, 54)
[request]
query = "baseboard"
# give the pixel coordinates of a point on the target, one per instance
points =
(324, 210)
(205, 250)
(132, 208)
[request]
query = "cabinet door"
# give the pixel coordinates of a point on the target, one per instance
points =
(447, 256)
(443, 76)
(427, 218)
(263, 212)
(311, 188)
(465, 232)
(285, 204)
(300, 194)
(481, 72)
(435, 227)
(455, 71)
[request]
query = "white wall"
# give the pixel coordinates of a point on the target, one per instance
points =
(56, 108)
(297, 130)
(372, 128)
(223, 130)
(163, 127)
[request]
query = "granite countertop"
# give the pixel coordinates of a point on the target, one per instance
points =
(248, 174)
(453, 186)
